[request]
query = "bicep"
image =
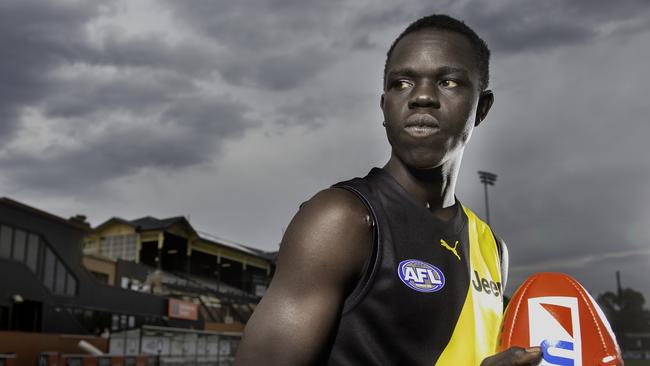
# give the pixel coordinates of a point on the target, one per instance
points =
(320, 256)
(289, 328)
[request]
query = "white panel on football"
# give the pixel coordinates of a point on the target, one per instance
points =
(601, 315)
(560, 348)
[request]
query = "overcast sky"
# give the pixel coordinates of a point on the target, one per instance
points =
(234, 112)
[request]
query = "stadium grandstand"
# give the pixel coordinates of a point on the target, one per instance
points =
(62, 276)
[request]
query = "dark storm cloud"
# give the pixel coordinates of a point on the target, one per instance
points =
(151, 51)
(189, 133)
(80, 85)
(521, 26)
(273, 70)
(84, 97)
(35, 36)
(275, 45)
(266, 25)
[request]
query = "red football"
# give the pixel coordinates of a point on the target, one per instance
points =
(554, 311)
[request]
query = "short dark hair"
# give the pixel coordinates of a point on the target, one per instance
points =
(447, 23)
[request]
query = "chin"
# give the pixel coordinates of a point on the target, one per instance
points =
(427, 166)
(423, 163)
(427, 160)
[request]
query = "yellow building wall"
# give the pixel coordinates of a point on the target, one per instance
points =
(91, 241)
(101, 265)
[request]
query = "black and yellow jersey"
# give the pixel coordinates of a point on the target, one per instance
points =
(431, 293)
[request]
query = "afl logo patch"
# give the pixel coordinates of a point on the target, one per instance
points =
(420, 276)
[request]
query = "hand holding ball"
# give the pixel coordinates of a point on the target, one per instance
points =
(553, 311)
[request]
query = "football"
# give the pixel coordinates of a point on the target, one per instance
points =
(553, 311)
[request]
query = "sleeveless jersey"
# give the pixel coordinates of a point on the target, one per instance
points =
(431, 292)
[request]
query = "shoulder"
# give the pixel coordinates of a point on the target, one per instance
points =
(330, 235)
(337, 204)
(321, 256)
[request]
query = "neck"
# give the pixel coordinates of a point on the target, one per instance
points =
(433, 187)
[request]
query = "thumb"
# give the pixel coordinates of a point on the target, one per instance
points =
(525, 356)
(515, 356)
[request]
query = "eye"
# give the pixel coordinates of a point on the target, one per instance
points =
(448, 84)
(402, 84)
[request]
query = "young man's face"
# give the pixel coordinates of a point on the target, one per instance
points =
(430, 97)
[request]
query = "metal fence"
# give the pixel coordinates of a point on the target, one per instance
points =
(176, 346)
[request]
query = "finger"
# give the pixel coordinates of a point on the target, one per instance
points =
(525, 357)
(515, 356)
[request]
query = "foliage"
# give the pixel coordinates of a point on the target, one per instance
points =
(625, 311)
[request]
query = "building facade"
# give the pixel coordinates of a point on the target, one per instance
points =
(60, 275)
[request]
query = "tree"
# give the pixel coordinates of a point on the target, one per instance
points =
(625, 311)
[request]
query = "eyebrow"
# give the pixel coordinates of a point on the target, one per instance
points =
(444, 70)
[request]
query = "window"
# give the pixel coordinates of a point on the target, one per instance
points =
(123, 321)
(48, 272)
(115, 322)
(19, 245)
(5, 241)
(32, 252)
(71, 285)
(59, 284)
(25, 247)
(119, 247)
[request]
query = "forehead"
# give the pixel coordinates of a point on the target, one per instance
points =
(433, 48)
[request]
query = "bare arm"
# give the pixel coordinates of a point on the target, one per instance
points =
(321, 257)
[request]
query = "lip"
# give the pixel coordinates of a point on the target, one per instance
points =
(420, 125)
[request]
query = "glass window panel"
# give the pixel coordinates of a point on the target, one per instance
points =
(19, 245)
(48, 271)
(5, 241)
(123, 321)
(32, 252)
(131, 247)
(115, 322)
(61, 273)
(71, 286)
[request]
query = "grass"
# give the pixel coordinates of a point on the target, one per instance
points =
(637, 362)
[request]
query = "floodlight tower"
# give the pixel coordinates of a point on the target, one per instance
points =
(487, 178)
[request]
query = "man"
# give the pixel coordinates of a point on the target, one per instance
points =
(391, 269)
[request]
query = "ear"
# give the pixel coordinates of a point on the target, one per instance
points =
(485, 101)
(381, 102)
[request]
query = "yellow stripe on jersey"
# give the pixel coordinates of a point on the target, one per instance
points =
(475, 335)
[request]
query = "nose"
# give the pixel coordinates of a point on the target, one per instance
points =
(424, 96)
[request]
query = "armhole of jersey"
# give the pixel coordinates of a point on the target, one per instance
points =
(498, 243)
(371, 265)
(504, 275)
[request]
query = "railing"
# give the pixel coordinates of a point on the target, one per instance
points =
(56, 359)
(176, 346)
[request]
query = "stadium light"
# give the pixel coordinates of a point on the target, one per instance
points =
(487, 178)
